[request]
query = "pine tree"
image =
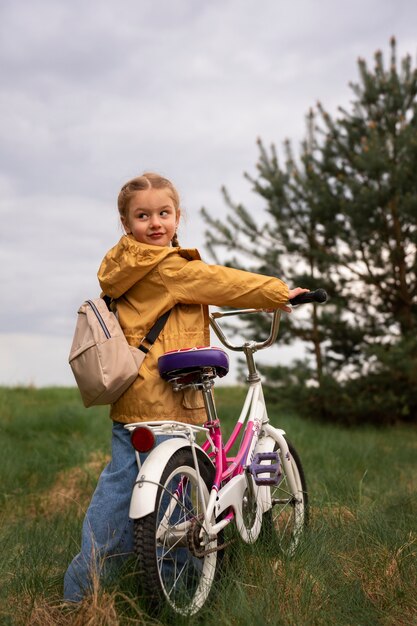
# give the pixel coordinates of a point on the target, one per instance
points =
(344, 216)
(369, 163)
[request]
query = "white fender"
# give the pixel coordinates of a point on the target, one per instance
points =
(146, 487)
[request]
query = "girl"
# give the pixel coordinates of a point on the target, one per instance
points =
(148, 274)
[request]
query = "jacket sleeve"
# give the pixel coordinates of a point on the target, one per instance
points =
(198, 283)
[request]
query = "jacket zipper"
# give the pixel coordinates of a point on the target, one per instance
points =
(100, 319)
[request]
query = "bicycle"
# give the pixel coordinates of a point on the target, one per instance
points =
(186, 494)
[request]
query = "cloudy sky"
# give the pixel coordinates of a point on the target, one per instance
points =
(96, 91)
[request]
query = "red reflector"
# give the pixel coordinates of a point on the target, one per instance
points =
(142, 439)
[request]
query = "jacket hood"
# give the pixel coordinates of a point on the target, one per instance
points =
(129, 261)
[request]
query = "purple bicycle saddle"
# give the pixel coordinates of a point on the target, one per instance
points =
(176, 363)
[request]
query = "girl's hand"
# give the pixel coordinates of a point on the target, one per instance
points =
(293, 292)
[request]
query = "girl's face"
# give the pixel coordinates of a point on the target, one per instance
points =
(151, 217)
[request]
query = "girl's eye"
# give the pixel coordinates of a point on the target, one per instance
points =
(142, 216)
(164, 213)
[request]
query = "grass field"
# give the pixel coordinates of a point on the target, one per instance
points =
(356, 564)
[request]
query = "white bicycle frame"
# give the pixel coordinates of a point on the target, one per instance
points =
(229, 496)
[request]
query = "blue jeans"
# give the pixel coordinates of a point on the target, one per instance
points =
(107, 532)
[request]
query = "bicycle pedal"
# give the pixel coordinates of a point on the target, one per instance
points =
(273, 469)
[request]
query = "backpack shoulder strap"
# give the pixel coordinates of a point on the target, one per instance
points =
(154, 332)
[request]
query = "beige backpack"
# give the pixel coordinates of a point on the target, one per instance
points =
(102, 361)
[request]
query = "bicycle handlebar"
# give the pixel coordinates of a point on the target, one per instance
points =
(318, 296)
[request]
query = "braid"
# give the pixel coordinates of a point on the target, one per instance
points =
(174, 241)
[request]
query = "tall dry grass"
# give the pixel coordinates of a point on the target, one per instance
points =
(356, 564)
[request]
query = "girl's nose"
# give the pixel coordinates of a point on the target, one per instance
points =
(154, 221)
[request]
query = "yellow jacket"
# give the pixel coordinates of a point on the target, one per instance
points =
(149, 280)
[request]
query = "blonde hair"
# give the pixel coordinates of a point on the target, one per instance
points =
(148, 180)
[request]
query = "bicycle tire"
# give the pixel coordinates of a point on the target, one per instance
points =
(284, 524)
(172, 573)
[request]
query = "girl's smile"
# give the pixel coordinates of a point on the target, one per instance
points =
(151, 217)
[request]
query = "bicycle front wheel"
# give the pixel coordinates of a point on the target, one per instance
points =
(176, 560)
(285, 522)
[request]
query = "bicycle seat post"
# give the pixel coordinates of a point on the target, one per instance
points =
(207, 384)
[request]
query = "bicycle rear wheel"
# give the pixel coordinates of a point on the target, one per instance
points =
(285, 522)
(177, 562)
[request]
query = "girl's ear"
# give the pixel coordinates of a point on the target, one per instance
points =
(125, 225)
(177, 216)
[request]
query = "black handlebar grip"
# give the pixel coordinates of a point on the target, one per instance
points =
(319, 295)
